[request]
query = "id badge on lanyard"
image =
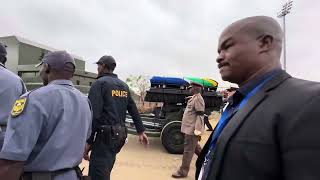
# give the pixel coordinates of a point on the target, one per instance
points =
(201, 173)
(205, 165)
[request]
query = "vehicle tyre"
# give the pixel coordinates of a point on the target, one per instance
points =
(171, 137)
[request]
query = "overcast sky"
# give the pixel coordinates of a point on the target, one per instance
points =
(158, 37)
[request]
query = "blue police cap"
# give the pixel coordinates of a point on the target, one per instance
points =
(107, 60)
(58, 60)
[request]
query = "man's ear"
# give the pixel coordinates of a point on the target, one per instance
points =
(47, 71)
(4, 60)
(265, 43)
(103, 66)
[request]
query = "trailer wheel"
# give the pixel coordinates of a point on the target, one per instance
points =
(171, 137)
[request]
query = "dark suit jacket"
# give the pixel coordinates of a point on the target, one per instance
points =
(276, 135)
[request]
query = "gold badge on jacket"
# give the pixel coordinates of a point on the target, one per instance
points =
(18, 107)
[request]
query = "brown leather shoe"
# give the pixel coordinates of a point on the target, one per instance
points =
(178, 174)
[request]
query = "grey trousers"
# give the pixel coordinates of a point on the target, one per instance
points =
(191, 146)
(2, 134)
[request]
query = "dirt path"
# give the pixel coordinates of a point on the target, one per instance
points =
(136, 162)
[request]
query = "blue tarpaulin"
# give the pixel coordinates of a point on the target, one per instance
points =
(168, 81)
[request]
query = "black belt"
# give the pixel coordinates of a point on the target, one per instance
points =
(108, 128)
(105, 128)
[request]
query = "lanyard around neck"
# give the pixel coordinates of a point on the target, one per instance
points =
(226, 114)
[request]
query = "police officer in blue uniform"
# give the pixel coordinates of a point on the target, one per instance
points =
(111, 99)
(12, 87)
(48, 127)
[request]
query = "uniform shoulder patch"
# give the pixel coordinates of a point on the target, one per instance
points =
(19, 106)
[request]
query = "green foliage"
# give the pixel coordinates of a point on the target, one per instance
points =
(139, 84)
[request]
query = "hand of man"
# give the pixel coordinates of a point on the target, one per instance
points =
(87, 149)
(143, 139)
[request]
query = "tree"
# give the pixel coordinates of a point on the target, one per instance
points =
(139, 84)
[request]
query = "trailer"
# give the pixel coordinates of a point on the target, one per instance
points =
(165, 121)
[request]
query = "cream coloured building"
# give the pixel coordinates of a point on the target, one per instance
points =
(24, 54)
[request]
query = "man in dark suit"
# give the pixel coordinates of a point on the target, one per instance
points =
(270, 129)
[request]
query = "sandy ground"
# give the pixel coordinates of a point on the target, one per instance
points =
(136, 162)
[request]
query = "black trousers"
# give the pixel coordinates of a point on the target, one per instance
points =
(206, 121)
(102, 159)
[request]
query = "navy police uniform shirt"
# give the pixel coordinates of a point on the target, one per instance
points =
(11, 88)
(110, 98)
(48, 129)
